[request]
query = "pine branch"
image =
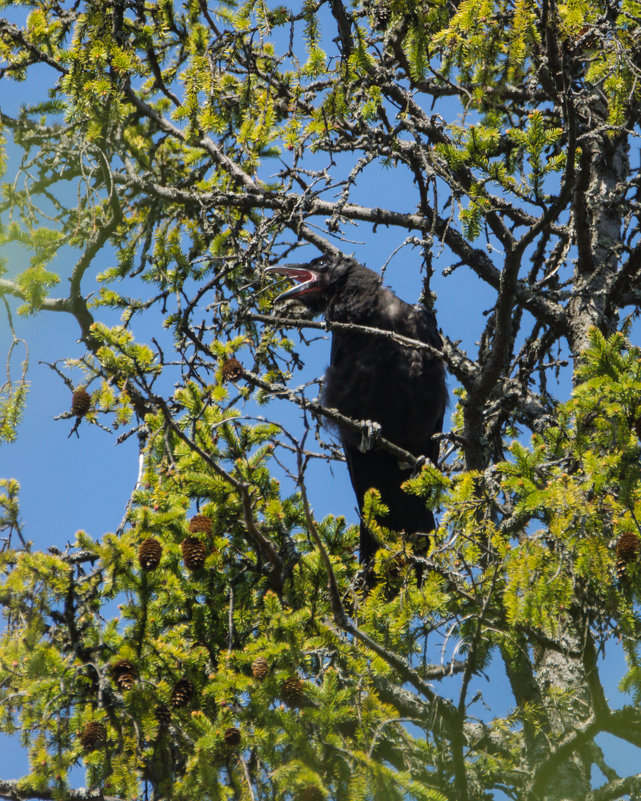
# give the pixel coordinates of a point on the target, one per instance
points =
(17, 36)
(17, 790)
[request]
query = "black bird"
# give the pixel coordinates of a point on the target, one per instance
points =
(374, 378)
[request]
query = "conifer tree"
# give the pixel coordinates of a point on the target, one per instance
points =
(204, 141)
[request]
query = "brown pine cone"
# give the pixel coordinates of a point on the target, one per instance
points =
(194, 553)
(292, 691)
(628, 548)
(232, 737)
(123, 672)
(232, 370)
(381, 16)
(92, 735)
(80, 402)
(200, 524)
(149, 553)
(182, 693)
(260, 668)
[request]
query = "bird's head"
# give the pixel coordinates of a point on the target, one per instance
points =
(317, 281)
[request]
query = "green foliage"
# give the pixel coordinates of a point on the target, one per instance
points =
(572, 492)
(12, 403)
(9, 521)
(533, 142)
(13, 396)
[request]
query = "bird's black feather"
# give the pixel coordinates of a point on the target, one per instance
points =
(375, 378)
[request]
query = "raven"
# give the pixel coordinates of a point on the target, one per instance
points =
(375, 378)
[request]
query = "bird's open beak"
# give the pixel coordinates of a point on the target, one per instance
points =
(307, 280)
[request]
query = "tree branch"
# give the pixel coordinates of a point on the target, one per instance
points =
(15, 790)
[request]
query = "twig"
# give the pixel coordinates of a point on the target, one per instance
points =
(331, 414)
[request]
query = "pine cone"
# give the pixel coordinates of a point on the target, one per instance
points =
(381, 16)
(80, 402)
(182, 693)
(149, 553)
(123, 673)
(92, 735)
(232, 370)
(395, 566)
(628, 548)
(162, 714)
(292, 691)
(232, 737)
(194, 553)
(260, 668)
(200, 524)
(311, 793)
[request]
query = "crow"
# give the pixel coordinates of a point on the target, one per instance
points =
(374, 378)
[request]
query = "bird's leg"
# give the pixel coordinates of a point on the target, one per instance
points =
(370, 433)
